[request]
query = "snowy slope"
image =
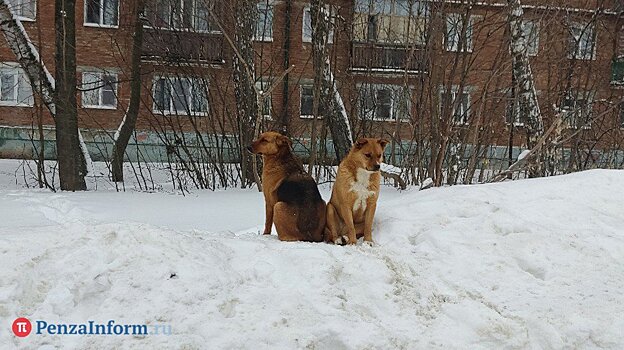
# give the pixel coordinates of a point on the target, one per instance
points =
(533, 264)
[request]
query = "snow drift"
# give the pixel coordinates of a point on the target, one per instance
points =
(526, 264)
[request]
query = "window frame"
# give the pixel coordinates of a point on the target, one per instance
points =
(99, 89)
(454, 89)
(171, 110)
(308, 14)
(301, 115)
(192, 28)
(101, 23)
(469, 42)
(575, 43)
(364, 90)
(19, 76)
(262, 37)
(419, 12)
(587, 111)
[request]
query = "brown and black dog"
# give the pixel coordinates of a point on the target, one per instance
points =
(291, 196)
(353, 202)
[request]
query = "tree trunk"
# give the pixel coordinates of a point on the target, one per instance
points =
(244, 84)
(331, 105)
(123, 134)
(72, 167)
(525, 88)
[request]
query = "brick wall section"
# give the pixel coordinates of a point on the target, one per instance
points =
(109, 48)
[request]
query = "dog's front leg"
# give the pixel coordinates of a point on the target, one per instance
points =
(268, 221)
(347, 216)
(368, 221)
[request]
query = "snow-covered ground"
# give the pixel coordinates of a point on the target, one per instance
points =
(532, 264)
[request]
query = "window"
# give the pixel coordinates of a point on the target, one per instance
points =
(103, 13)
(264, 26)
(23, 9)
(306, 101)
(577, 110)
(265, 103)
(384, 102)
(180, 95)
(390, 21)
(307, 25)
(99, 90)
(582, 41)
(15, 88)
(531, 33)
(514, 112)
(459, 101)
(181, 14)
(458, 39)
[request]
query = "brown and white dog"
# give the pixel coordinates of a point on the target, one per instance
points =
(292, 199)
(351, 209)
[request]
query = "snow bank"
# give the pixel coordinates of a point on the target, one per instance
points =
(526, 264)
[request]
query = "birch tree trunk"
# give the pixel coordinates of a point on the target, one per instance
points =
(330, 104)
(72, 174)
(123, 134)
(72, 167)
(244, 83)
(525, 88)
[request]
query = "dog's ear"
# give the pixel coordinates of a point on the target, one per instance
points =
(382, 142)
(283, 141)
(360, 143)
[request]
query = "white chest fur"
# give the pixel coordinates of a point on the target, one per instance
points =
(360, 188)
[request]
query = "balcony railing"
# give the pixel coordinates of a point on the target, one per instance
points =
(617, 72)
(387, 59)
(182, 46)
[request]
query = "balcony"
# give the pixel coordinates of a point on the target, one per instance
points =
(385, 59)
(173, 46)
(617, 72)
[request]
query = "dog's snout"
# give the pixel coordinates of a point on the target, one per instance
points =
(376, 167)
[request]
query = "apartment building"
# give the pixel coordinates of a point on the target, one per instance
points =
(414, 71)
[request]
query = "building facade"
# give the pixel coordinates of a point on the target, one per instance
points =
(429, 75)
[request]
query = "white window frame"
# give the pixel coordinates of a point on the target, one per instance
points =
(395, 91)
(585, 29)
(193, 26)
(307, 18)
(269, 8)
(569, 113)
(453, 46)
(301, 115)
(101, 22)
(531, 31)
(453, 101)
(389, 8)
(12, 68)
(99, 89)
(171, 110)
(260, 85)
(18, 5)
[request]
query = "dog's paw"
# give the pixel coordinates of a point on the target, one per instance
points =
(369, 243)
(342, 240)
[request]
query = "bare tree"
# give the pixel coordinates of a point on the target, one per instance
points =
(72, 166)
(127, 126)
